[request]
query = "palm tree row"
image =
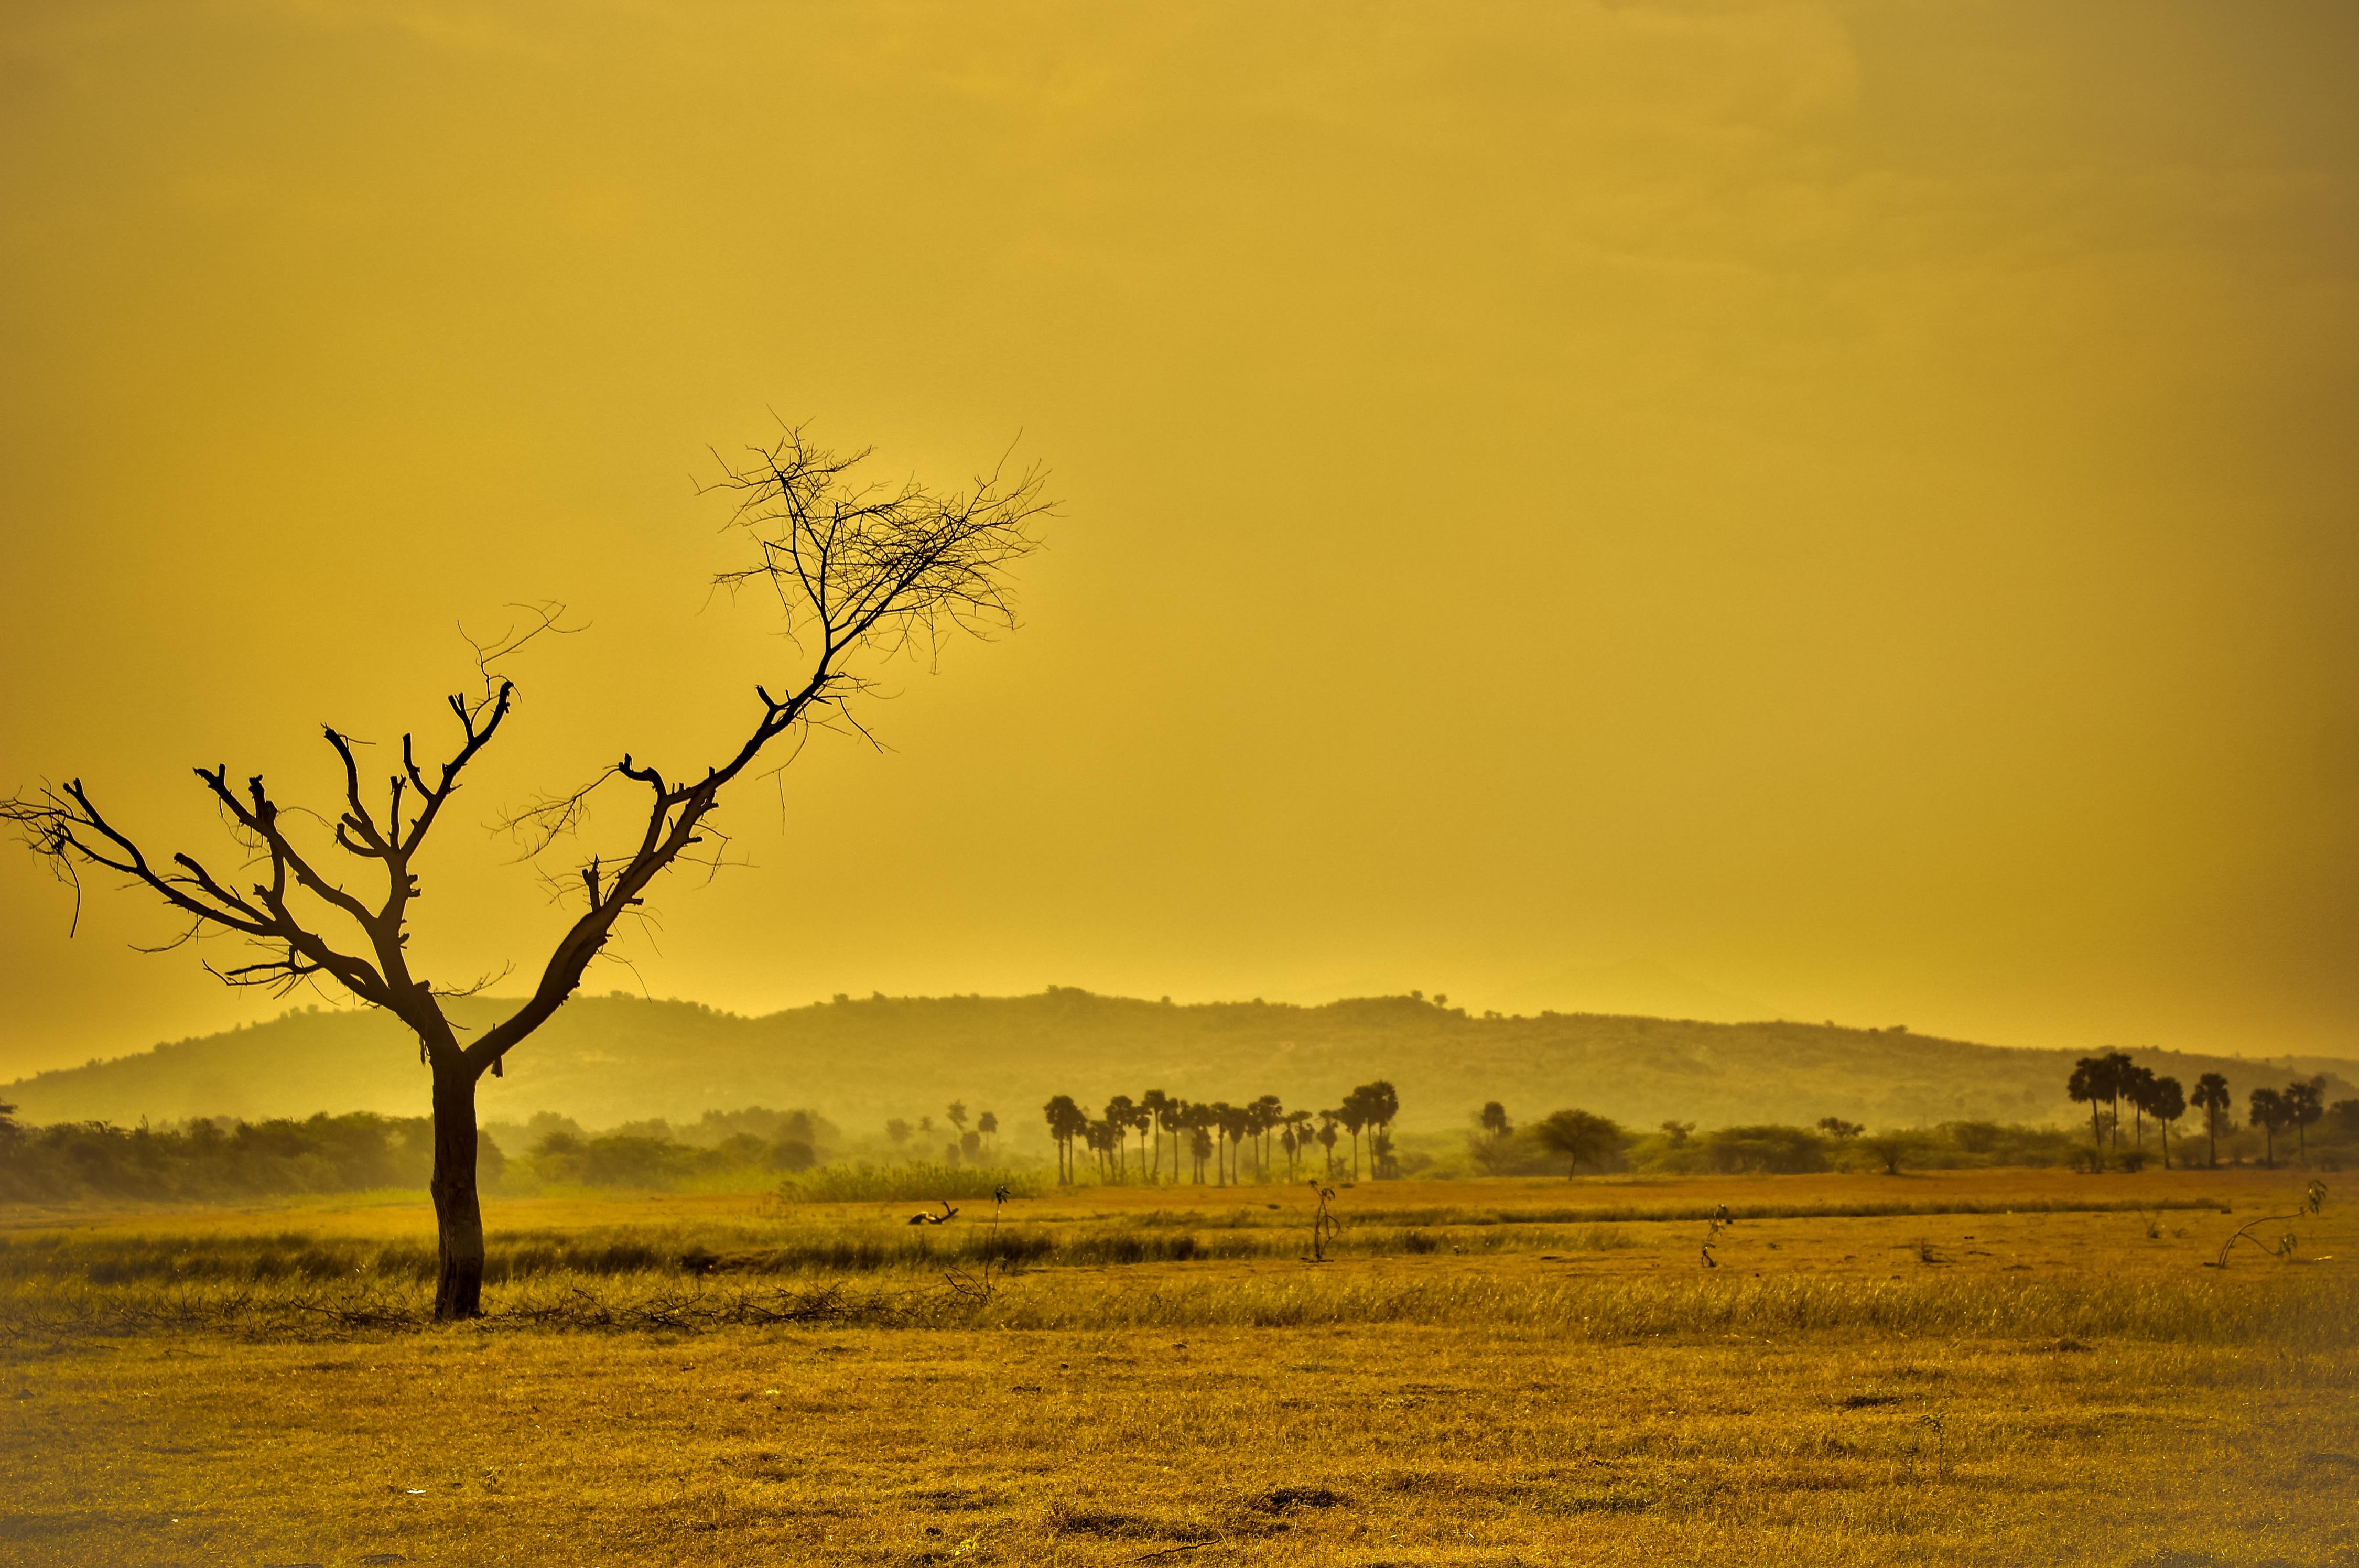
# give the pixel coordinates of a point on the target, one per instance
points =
(2112, 1078)
(1220, 1134)
(2296, 1106)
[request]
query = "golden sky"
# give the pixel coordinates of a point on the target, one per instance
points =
(1744, 509)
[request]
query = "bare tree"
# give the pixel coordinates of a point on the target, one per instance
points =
(861, 571)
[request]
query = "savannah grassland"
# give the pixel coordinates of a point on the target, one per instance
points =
(1487, 1372)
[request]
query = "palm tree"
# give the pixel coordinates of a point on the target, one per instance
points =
(1327, 1120)
(2211, 1094)
(1383, 1103)
(2138, 1088)
(1154, 1106)
(987, 1125)
(1171, 1117)
(2304, 1104)
(1142, 1122)
(1117, 1115)
(1270, 1113)
(1494, 1121)
(1298, 1127)
(2166, 1102)
(1066, 1121)
(1197, 1121)
(1236, 1122)
(2093, 1079)
(2118, 1081)
(1577, 1136)
(1354, 1115)
(2268, 1114)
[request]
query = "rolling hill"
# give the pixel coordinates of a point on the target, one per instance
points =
(605, 1059)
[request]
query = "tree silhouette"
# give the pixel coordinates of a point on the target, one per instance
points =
(2304, 1104)
(1067, 1121)
(1839, 1129)
(1234, 1122)
(1199, 1141)
(987, 1125)
(1577, 1136)
(1326, 1121)
(1298, 1125)
(2268, 1111)
(2138, 1088)
(1155, 1107)
(2211, 1096)
(1142, 1122)
(2095, 1080)
(1118, 1112)
(1268, 1112)
(1353, 1115)
(2166, 1102)
(898, 1131)
(859, 570)
(1383, 1104)
(1493, 1120)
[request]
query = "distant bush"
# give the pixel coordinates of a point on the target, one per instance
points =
(1789, 1150)
(905, 1183)
(1955, 1145)
(642, 1156)
(1767, 1150)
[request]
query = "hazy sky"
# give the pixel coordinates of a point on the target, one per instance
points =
(1839, 511)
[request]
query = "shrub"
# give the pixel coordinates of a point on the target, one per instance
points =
(1768, 1150)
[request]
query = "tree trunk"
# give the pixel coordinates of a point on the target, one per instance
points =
(458, 1215)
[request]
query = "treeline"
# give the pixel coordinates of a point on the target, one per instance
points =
(2108, 1082)
(1567, 1142)
(1219, 1132)
(212, 1159)
(1570, 1141)
(722, 1148)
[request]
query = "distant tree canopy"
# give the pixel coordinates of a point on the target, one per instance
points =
(1780, 1149)
(1578, 1137)
(211, 1160)
(222, 1159)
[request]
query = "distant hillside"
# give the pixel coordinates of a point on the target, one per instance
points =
(610, 1059)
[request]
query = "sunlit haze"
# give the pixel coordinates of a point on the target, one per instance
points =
(1727, 510)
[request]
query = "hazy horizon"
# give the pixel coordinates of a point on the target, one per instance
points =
(1839, 511)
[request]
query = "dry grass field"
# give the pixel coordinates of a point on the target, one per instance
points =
(1978, 1367)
